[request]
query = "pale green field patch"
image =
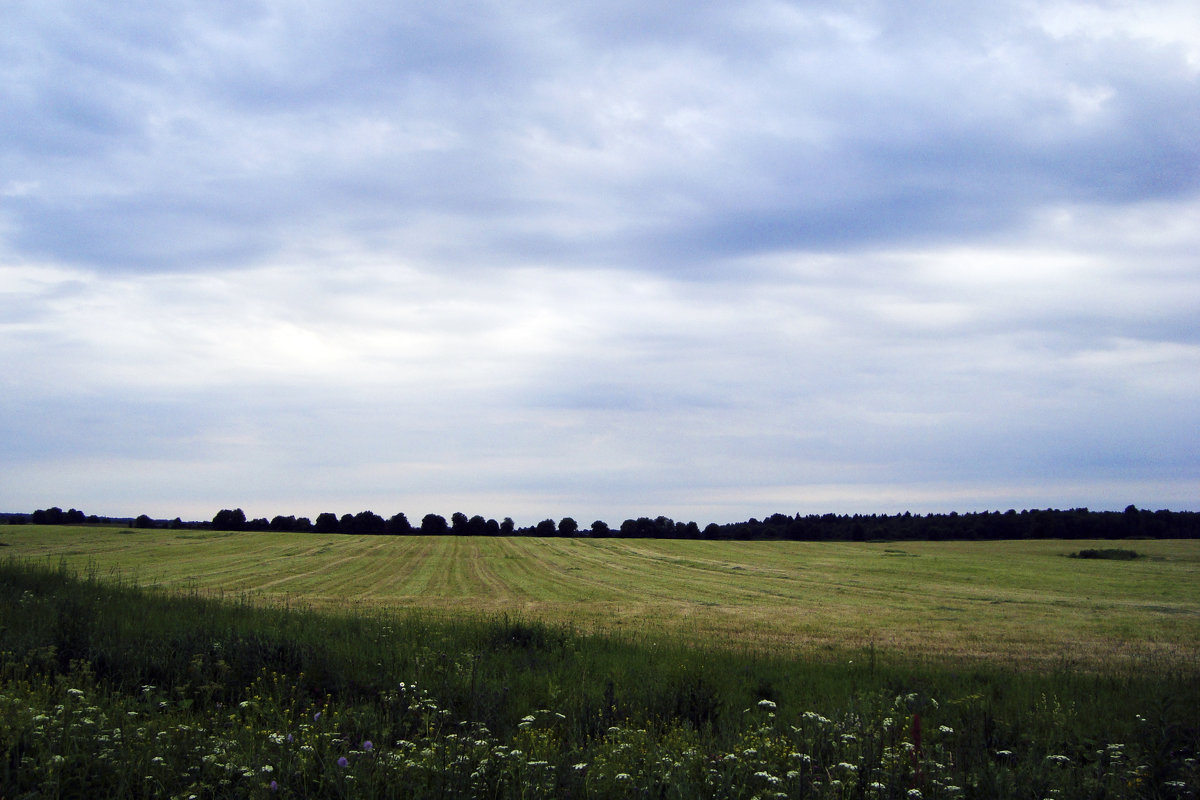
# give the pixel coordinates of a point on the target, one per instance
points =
(1021, 602)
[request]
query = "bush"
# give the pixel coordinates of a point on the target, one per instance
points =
(1112, 553)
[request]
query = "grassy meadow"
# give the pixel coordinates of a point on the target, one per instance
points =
(1008, 601)
(195, 664)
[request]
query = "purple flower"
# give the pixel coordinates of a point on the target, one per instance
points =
(317, 717)
(367, 745)
(290, 738)
(273, 786)
(343, 762)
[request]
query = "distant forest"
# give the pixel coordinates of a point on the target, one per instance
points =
(1076, 523)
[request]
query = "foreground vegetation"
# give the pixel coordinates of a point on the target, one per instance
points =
(108, 689)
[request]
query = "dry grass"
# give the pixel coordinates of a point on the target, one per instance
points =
(1018, 602)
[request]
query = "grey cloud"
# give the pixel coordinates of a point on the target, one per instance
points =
(814, 140)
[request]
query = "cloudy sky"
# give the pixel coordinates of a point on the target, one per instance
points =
(601, 259)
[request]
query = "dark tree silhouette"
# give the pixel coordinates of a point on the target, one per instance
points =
(369, 522)
(399, 525)
(434, 525)
(281, 523)
(327, 522)
(229, 520)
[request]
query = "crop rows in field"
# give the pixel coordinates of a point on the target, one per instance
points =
(1000, 600)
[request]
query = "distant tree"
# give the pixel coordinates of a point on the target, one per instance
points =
(281, 523)
(492, 528)
(477, 526)
(303, 525)
(326, 523)
(399, 525)
(47, 516)
(346, 524)
(567, 527)
(545, 528)
(258, 524)
(369, 522)
(600, 529)
(144, 521)
(434, 525)
(507, 527)
(229, 520)
(175, 524)
(74, 517)
(458, 523)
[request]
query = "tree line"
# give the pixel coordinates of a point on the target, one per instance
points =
(1076, 523)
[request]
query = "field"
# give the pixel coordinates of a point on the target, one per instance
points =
(192, 664)
(1000, 602)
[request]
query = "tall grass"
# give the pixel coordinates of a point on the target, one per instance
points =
(111, 690)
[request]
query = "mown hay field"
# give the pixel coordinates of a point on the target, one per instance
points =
(1013, 602)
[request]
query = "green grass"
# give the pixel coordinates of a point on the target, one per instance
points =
(108, 689)
(1013, 602)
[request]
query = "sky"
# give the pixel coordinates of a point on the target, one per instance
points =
(599, 259)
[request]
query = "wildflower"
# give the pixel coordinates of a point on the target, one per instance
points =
(623, 776)
(580, 767)
(367, 745)
(1060, 760)
(75, 692)
(946, 729)
(343, 762)
(766, 705)
(266, 769)
(914, 794)
(273, 786)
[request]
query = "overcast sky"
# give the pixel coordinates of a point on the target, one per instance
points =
(601, 259)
